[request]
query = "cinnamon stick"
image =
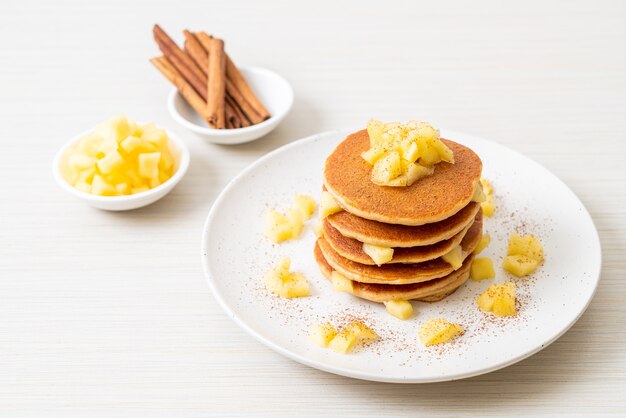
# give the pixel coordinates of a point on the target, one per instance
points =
(216, 85)
(196, 51)
(186, 90)
(242, 102)
(183, 63)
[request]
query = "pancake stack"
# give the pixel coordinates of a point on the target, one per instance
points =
(434, 217)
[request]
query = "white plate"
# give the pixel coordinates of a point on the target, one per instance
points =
(528, 198)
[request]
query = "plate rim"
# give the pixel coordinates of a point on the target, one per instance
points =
(366, 375)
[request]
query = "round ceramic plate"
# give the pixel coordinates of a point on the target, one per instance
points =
(529, 199)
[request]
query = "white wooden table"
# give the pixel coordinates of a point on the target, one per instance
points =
(108, 314)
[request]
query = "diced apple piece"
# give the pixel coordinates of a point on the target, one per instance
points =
(131, 143)
(83, 186)
(110, 162)
(343, 341)
(296, 219)
(101, 187)
(454, 257)
(499, 299)
(284, 283)
(328, 205)
(445, 153)
(166, 163)
(340, 282)
(481, 269)
(322, 334)
(139, 189)
(429, 155)
(488, 206)
(410, 152)
(375, 129)
(387, 168)
(361, 331)
(106, 147)
(305, 204)
(401, 309)
(485, 239)
(416, 172)
(528, 245)
(519, 265)
(89, 145)
(380, 255)
(438, 331)
(81, 162)
(155, 136)
(149, 165)
(479, 196)
(372, 155)
(318, 230)
(277, 227)
(487, 187)
(122, 188)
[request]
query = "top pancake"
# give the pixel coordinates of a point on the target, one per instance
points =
(430, 199)
(402, 236)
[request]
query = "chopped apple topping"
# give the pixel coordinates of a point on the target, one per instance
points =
(328, 205)
(485, 239)
(380, 255)
(454, 257)
(284, 283)
(279, 227)
(438, 331)
(401, 309)
(498, 299)
(322, 334)
(481, 269)
(524, 255)
(340, 282)
(487, 204)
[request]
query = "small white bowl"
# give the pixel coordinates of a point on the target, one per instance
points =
(179, 151)
(272, 90)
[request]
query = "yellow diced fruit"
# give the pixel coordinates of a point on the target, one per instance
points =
(445, 153)
(167, 162)
(277, 227)
(101, 187)
(387, 168)
(139, 189)
(454, 257)
(318, 230)
(89, 145)
(305, 204)
(106, 147)
(131, 143)
(328, 205)
(375, 129)
(81, 162)
(479, 194)
(340, 282)
(83, 186)
(410, 152)
(416, 172)
(285, 284)
(322, 334)
(155, 136)
(528, 245)
(438, 331)
(149, 165)
(343, 341)
(401, 309)
(110, 162)
(487, 187)
(485, 239)
(429, 155)
(488, 206)
(372, 155)
(380, 255)
(481, 269)
(122, 188)
(361, 331)
(115, 129)
(499, 299)
(519, 265)
(295, 218)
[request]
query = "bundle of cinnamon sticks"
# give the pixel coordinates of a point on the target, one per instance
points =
(208, 80)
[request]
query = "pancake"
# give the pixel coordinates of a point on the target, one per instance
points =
(400, 273)
(430, 291)
(431, 199)
(353, 249)
(401, 236)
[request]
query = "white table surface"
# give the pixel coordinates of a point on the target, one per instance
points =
(108, 314)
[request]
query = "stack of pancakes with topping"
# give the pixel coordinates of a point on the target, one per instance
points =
(422, 223)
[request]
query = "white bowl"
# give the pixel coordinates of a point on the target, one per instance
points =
(127, 202)
(272, 90)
